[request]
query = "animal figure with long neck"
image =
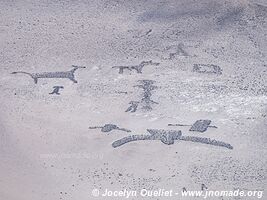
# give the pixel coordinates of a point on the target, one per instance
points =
(63, 74)
(137, 68)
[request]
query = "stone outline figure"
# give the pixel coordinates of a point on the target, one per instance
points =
(146, 101)
(207, 69)
(167, 137)
(133, 106)
(200, 125)
(137, 68)
(109, 127)
(147, 86)
(56, 90)
(63, 74)
(179, 51)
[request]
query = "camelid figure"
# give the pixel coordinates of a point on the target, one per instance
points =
(64, 74)
(137, 68)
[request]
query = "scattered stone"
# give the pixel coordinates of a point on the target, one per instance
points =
(207, 69)
(231, 16)
(149, 31)
(203, 187)
(121, 92)
(109, 127)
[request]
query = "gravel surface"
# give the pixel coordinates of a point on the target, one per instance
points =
(204, 60)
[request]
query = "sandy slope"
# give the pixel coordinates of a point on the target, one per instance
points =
(41, 36)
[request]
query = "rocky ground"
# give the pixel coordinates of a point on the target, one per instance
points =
(203, 59)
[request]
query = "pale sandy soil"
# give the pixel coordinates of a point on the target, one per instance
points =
(47, 36)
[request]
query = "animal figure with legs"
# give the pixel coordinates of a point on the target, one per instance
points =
(137, 68)
(63, 74)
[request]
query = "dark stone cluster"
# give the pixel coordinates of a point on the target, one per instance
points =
(137, 68)
(207, 69)
(167, 137)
